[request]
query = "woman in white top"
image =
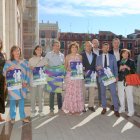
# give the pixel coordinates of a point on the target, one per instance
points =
(36, 90)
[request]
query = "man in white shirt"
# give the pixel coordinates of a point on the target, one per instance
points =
(55, 58)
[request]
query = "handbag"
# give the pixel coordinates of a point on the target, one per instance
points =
(132, 79)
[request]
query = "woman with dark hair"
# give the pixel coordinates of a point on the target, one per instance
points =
(73, 100)
(2, 82)
(17, 63)
(126, 67)
(36, 61)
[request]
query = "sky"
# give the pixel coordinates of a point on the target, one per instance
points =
(121, 17)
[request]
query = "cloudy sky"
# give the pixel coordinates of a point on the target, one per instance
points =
(118, 16)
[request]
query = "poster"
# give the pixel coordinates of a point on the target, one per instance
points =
(55, 78)
(39, 76)
(13, 79)
(76, 70)
(107, 76)
(90, 79)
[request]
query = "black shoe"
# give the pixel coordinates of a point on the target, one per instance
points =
(91, 109)
(103, 111)
(117, 114)
(84, 110)
(112, 107)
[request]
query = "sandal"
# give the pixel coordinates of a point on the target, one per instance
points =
(12, 121)
(26, 120)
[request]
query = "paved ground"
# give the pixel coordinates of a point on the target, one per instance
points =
(88, 126)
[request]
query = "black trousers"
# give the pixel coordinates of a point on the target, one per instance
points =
(2, 94)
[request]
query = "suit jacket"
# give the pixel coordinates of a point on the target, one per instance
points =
(86, 63)
(112, 64)
(138, 64)
(130, 63)
(112, 52)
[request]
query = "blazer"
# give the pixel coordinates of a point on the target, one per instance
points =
(112, 64)
(86, 63)
(130, 63)
(112, 52)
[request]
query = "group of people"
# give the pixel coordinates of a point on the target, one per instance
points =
(73, 102)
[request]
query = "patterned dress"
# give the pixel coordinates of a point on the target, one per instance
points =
(2, 82)
(73, 100)
(23, 65)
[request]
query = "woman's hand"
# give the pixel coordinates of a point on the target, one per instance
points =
(69, 69)
(32, 68)
(127, 67)
(24, 85)
(11, 68)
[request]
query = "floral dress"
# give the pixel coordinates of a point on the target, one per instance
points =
(73, 99)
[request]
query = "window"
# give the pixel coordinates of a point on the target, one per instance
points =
(42, 34)
(62, 45)
(129, 46)
(43, 43)
(53, 34)
(121, 45)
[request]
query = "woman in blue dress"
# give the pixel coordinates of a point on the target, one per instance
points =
(17, 63)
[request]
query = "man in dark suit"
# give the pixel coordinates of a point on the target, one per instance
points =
(89, 63)
(116, 52)
(103, 61)
(97, 51)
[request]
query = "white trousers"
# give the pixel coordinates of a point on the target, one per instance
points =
(128, 90)
(92, 93)
(37, 92)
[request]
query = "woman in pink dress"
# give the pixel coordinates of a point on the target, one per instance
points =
(73, 99)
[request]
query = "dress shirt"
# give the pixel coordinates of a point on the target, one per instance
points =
(54, 59)
(103, 58)
(90, 57)
(96, 51)
(117, 55)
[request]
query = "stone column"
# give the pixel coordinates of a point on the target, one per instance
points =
(11, 30)
(2, 22)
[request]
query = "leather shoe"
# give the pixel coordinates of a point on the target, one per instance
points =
(117, 114)
(84, 110)
(91, 109)
(103, 111)
(112, 107)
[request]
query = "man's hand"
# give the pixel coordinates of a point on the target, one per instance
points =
(98, 67)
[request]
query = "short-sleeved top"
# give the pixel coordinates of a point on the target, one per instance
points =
(54, 59)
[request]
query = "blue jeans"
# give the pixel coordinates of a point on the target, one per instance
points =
(13, 109)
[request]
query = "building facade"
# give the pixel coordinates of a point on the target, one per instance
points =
(47, 33)
(11, 15)
(135, 36)
(103, 36)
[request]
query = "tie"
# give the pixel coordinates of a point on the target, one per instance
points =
(105, 62)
